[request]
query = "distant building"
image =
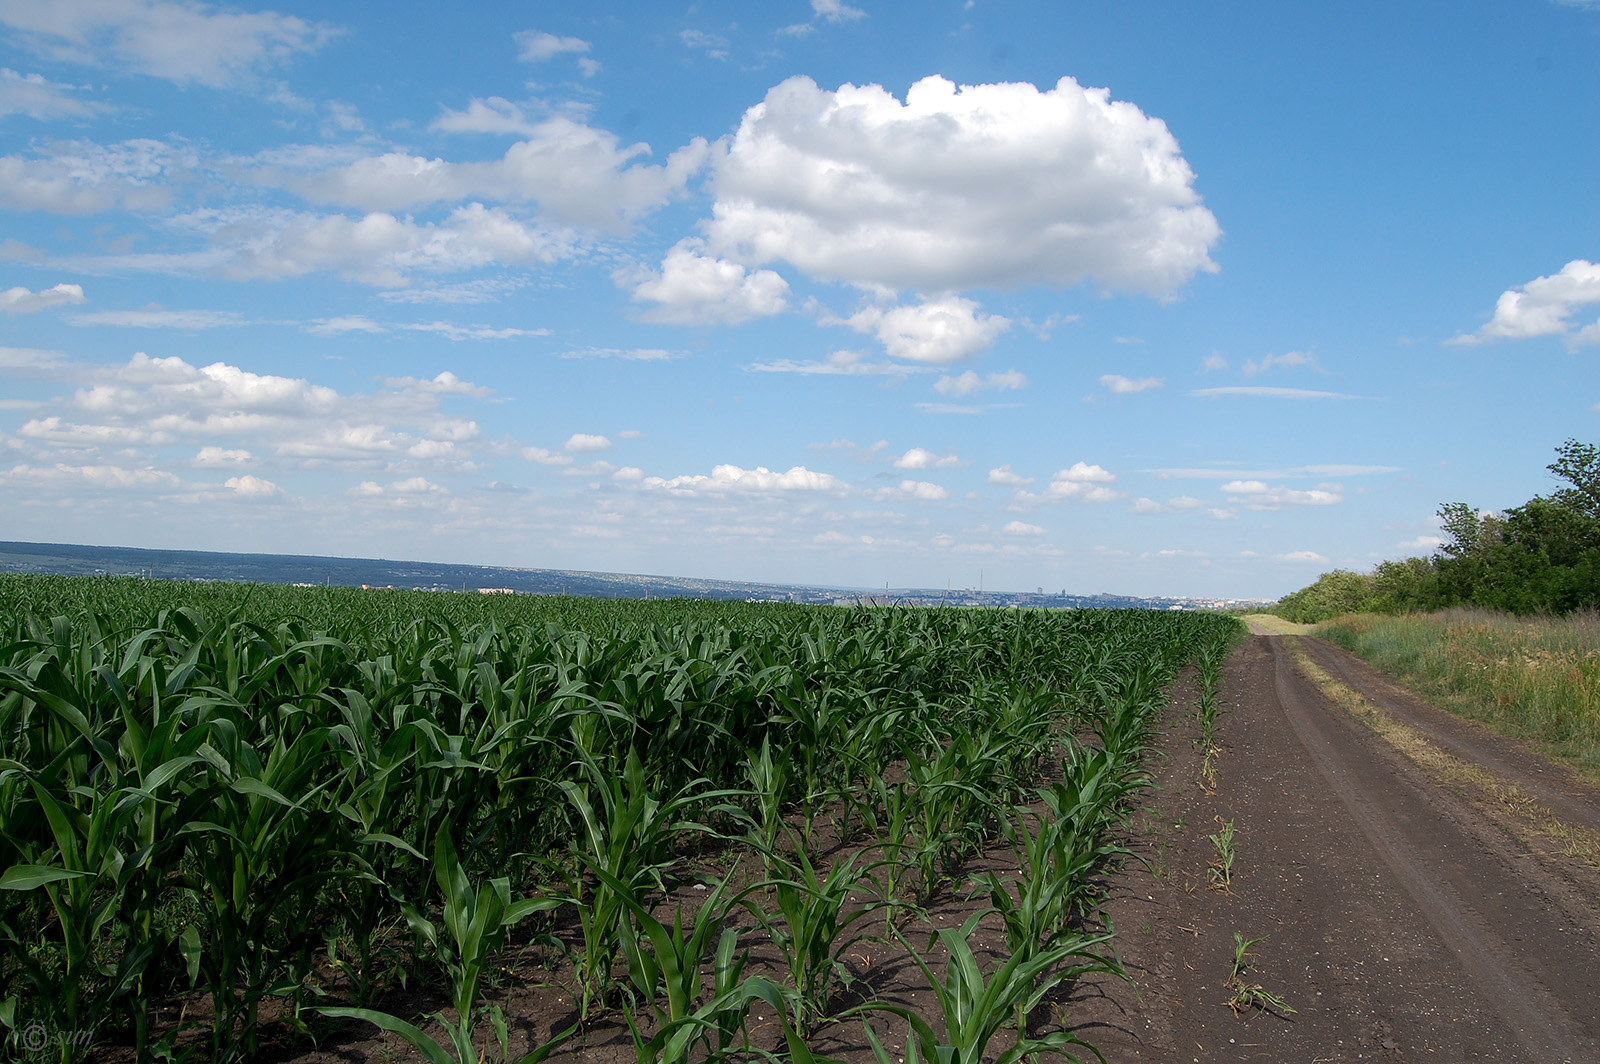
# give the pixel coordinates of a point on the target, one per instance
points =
(495, 591)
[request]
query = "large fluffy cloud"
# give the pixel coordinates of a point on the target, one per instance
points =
(960, 186)
(1545, 307)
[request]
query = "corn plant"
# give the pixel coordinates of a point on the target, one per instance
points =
(627, 834)
(974, 1006)
(475, 922)
(665, 963)
(767, 774)
(814, 927)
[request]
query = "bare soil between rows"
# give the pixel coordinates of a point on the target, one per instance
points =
(1397, 917)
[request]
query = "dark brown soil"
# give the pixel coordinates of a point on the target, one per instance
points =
(1399, 919)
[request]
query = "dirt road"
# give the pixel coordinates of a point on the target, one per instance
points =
(1401, 917)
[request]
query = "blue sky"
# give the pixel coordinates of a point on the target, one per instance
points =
(1151, 298)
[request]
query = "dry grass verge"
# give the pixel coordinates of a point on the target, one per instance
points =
(1530, 821)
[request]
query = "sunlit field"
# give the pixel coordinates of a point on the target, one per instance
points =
(277, 806)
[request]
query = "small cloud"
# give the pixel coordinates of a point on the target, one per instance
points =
(840, 363)
(1259, 392)
(1044, 329)
(220, 458)
(1257, 495)
(452, 331)
(630, 434)
(252, 487)
(583, 443)
(714, 46)
(1004, 475)
(1544, 307)
(1127, 386)
(917, 458)
(536, 47)
(935, 331)
(628, 354)
(1128, 339)
(1292, 359)
(1022, 528)
(21, 301)
(1301, 556)
(923, 490)
(628, 473)
(969, 383)
(1214, 362)
(156, 318)
(545, 457)
(345, 324)
(1081, 482)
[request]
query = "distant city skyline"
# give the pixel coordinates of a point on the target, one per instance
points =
(1161, 299)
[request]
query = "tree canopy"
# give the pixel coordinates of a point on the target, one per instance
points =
(1540, 557)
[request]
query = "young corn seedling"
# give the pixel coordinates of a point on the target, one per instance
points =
(1222, 865)
(1247, 995)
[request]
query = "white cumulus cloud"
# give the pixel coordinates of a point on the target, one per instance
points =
(937, 331)
(1545, 306)
(960, 187)
(585, 443)
(1005, 475)
(693, 288)
(1022, 528)
(1080, 482)
(252, 487)
(917, 458)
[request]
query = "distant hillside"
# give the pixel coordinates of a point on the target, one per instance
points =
(78, 560)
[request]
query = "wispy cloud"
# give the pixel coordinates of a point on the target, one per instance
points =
(1264, 392)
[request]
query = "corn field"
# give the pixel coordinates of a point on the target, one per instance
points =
(295, 800)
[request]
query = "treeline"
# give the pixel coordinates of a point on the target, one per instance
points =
(1540, 557)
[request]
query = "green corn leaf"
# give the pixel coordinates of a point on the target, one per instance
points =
(32, 876)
